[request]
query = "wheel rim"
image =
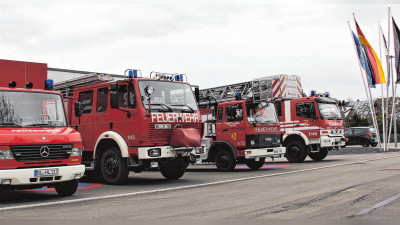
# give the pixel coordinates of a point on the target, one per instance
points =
(111, 166)
(224, 161)
(294, 152)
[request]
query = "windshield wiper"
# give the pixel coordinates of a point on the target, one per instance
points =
(10, 124)
(188, 107)
(169, 109)
(39, 125)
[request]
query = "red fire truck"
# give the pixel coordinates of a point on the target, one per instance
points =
(238, 130)
(37, 147)
(309, 125)
(312, 125)
(135, 123)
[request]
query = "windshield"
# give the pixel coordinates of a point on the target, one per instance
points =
(329, 111)
(261, 113)
(168, 96)
(31, 109)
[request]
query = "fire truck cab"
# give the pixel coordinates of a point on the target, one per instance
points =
(312, 126)
(132, 124)
(37, 148)
(238, 130)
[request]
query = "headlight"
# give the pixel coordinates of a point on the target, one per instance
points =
(76, 150)
(5, 153)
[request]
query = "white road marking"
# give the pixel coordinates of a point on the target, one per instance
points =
(185, 187)
(380, 204)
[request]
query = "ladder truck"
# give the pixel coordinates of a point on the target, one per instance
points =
(135, 123)
(238, 130)
(309, 125)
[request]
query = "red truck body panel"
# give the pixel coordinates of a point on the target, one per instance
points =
(22, 72)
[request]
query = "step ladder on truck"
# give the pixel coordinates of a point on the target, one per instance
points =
(38, 148)
(239, 127)
(309, 125)
(135, 123)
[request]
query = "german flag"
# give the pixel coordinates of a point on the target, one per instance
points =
(372, 56)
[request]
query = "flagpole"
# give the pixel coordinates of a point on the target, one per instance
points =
(388, 62)
(365, 87)
(393, 117)
(383, 102)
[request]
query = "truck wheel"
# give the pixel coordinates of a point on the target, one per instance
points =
(296, 152)
(66, 188)
(318, 156)
(374, 145)
(225, 161)
(114, 169)
(255, 165)
(174, 170)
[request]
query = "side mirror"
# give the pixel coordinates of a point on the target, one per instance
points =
(114, 86)
(78, 109)
(114, 100)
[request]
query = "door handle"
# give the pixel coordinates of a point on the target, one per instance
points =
(225, 130)
(297, 125)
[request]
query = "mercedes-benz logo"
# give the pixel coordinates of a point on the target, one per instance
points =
(336, 129)
(44, 151)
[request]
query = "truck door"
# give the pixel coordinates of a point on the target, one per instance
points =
(306, 119)
(233, 128)
(86, 120)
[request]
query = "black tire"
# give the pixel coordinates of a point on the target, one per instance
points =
(318, 156)
(66, 188)
(365, 144)
(296, 152)
(113, 167)
(374, 145)
(255, 165)
(225, 161)
(174, 170)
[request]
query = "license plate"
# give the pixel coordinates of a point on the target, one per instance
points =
(338, 139)
(46, 172)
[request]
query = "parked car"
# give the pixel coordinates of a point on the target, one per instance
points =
(364, 136)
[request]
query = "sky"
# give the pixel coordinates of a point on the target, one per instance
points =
(214, 42)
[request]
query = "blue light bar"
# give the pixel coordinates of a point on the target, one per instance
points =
(135, 75)
(177, 78)
(181, 77)
(49, 84)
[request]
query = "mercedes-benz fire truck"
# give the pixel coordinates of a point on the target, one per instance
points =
(309, 125)
(37, 147)
(238, 130)
(135, 123)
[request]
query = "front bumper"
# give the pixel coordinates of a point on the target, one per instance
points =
(27, 176)
(264, 152)
(166, 152)
(332, 142)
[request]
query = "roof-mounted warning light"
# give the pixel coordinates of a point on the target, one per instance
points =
(133, 73)
(49, 84)
(12, 84)
(326, 94)
(29, 85)
(313, 93)
(169, 76)
(238, 96)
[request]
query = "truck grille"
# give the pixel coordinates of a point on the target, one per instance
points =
(163, 136)
(38, 152)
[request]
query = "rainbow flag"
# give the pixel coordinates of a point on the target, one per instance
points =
(377, 70)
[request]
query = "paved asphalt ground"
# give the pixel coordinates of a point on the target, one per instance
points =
(353, 183)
